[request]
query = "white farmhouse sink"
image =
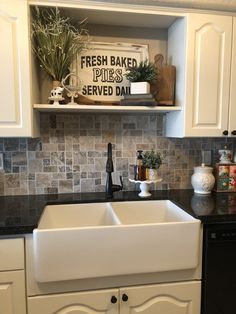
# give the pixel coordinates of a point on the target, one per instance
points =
(107, 239)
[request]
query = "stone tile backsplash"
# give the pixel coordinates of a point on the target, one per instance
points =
(70, 155)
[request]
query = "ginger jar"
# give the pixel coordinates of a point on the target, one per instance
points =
(203, 180)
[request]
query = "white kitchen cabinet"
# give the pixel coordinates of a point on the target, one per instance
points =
(12, 277)
(178, 298)
(205, 95)
(199, 45)
(16, 113)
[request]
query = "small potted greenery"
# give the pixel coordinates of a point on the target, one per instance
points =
(152, 161)
(56, 42)
(140, 77)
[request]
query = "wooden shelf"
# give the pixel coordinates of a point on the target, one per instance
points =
(99, 108)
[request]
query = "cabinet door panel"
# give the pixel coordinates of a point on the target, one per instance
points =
(12, 293)
(177, 298)
(208, 68)
(208, 78)
(92, 302)
(9, 71)
(16, 112)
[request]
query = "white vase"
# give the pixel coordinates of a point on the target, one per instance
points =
(203, 180)
(139, 88)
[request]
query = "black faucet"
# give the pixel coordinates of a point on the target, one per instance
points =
(110, 187)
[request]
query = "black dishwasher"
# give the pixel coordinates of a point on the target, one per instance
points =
(219, 269)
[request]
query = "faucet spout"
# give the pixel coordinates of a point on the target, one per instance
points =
(110, 187)
(109, 164)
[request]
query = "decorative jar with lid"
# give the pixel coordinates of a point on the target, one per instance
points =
(203, 180)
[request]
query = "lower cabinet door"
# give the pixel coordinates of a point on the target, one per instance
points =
(172, 298)
(92, 302)
(12, 292)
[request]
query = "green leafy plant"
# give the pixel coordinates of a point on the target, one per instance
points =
(152, 159)
(145, 71)
(56, 42)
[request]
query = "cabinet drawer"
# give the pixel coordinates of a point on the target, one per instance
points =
(11, 254)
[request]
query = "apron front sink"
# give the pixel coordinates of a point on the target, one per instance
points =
(118, 238)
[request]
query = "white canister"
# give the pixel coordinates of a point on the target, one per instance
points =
(203, 180)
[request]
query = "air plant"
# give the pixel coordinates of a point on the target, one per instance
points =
(145, 71)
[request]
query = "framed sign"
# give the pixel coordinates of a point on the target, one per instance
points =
(101, 69)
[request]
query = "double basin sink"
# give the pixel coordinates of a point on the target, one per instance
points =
(75, 241)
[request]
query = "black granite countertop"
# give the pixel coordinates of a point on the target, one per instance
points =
(20, 214)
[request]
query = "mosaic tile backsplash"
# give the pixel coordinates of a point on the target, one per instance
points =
(70, 155)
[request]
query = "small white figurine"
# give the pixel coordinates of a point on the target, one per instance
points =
(57, 91)
(56, 95)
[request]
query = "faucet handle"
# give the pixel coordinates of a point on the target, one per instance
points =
(121, 183)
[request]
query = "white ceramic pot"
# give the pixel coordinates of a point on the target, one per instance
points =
(203, 180)
(139, 88)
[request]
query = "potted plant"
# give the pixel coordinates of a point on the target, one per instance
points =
(140, 77)
(152, 161)
(56, 42)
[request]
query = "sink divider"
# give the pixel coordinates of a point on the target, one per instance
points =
(114, 216)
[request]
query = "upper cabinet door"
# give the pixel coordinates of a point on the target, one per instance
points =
(15, 105)
(209, 46)
(232, 106)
